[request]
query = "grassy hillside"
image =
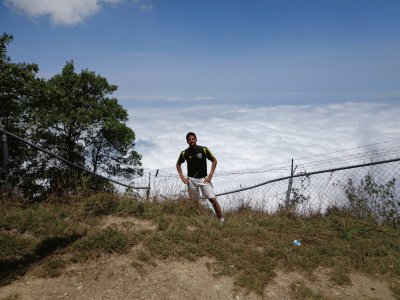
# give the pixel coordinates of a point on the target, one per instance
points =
(250, 247)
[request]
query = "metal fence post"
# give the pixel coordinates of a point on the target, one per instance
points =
(5, 164)
(4, 147)
(148, 188)
(290, 185)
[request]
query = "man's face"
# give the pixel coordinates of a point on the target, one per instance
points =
(192, 141)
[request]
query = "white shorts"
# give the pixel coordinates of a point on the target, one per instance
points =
(197, 184)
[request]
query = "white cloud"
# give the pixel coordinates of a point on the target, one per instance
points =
(66, 12)
(61, 12)
(245, 138)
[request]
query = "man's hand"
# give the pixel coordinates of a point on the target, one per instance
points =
(183, 178)
(207, 179)
(210, 175)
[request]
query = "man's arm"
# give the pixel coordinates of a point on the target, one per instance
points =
(213, 166)
(179, 169)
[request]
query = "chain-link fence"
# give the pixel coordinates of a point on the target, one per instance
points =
(367, 190)
(41, 173)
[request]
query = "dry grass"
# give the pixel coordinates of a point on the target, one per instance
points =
(249, 247)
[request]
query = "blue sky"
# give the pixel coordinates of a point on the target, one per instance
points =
(259, 52)
(282, 78)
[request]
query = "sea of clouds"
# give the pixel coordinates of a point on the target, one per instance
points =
(245, 138)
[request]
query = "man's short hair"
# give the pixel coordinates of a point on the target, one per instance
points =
(191, 134)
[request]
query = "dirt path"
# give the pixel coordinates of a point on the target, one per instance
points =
(115, 278)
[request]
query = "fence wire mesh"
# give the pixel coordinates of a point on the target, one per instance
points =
(367, 190)
(40, 173)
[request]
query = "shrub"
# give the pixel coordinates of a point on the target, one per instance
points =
(41, 221)
(129, 207)
(100, 204)
(53, 267)
(105, 241)
(12, 246)
(370, 199)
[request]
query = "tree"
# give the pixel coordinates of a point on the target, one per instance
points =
(80, 122)
(19, 86)
(73, 115)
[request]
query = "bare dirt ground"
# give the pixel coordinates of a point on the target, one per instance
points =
(117, 277)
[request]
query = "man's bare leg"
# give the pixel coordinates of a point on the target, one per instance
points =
(217, 208)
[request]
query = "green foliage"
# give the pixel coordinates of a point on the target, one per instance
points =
(370, 199)
(108, 241)
(27, 234)
(53, 267)
(72, 115)
(100, 204)
(129, 207)
(78, 121)
(107, 204)
(341, 277)
(12, 245)
(301, 291)
(41, 221)
(19, 87)
(297, 198)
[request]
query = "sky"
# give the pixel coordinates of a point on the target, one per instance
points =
(260, 81)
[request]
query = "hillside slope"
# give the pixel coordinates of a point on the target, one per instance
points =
(107, 247)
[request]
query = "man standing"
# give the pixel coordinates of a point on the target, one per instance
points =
(197, 178)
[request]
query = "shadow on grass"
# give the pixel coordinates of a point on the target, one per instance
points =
(12, 269)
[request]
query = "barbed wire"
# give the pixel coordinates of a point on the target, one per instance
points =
(68, 163)
(360, 157)
(165, 183)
